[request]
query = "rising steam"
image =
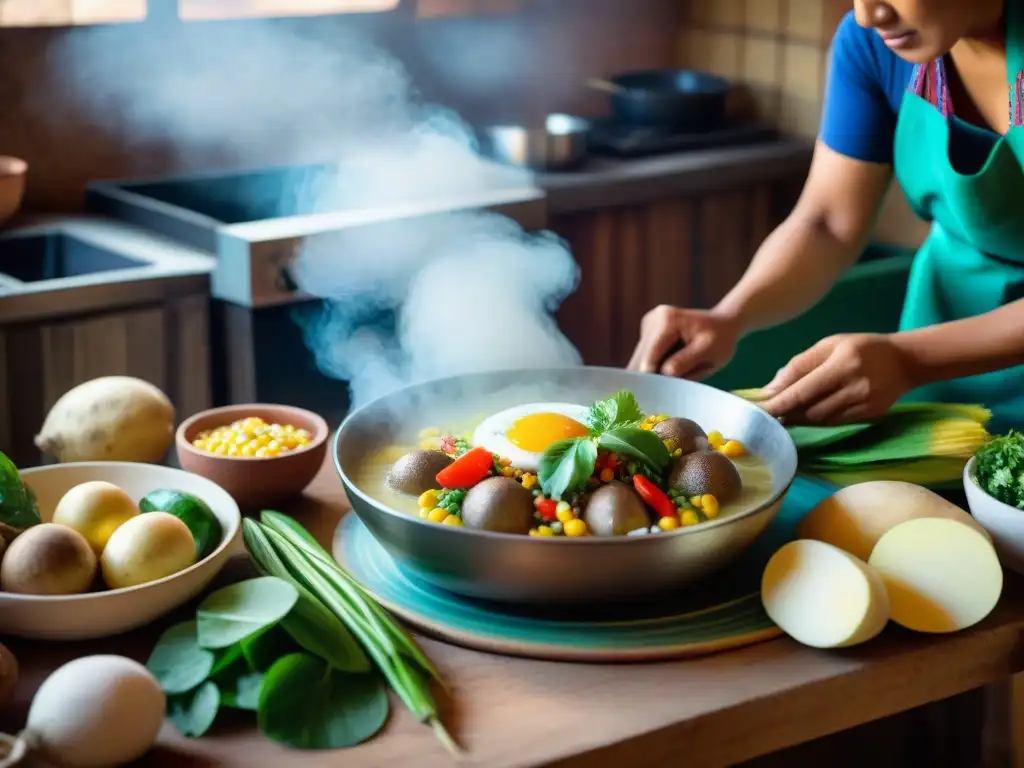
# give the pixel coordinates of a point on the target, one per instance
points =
(472, 291)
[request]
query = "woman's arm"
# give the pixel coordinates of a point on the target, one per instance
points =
(968, 347)
(823, 236)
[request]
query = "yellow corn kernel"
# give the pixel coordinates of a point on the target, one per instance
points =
(234, 450)
(574, 527)
(607, 475)
(565, 515)
(261, 453)
(689, 517)
(733, 449)
(668, 523)
(248, 450)
(709, 506)
(647, 425)
(529, 480)
(507, 472)
(221, 449)
(425, 513)
(504, 462)
(454, 520)
(428, 499)
(715, 439)
(545, 530)
(437, 515)
(695, 501)
(428, 444)
(533, 532)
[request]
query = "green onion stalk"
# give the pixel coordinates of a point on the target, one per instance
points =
(279, 546)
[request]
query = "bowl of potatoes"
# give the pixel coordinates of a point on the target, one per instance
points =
(100, 548)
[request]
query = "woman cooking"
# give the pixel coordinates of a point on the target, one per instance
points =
(933, 91)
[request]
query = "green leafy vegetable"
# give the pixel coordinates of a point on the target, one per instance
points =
(194, 713)
(261, 649)
(566, 465)
(639, 443)
(227, 658)
(242, 692)
(235, 612)
(619, 410)
(385, 642)
(305, 704)
(178, 662)
(1000, 469)
(18, 509)
(310, 623)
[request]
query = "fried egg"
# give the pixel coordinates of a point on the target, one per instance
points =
(521, 434)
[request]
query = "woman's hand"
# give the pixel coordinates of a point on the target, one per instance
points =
(841, 379)
(688, 343)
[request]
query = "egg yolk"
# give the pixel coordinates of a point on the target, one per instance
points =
(536, 431)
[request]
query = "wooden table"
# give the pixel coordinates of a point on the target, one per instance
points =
(715, 711)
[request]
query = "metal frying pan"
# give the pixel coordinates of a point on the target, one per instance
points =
(682, 99)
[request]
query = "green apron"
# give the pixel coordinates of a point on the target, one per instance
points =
(970, 185)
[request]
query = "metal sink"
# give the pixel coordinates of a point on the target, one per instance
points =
(57, 255)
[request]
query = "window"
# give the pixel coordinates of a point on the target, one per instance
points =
(196, 10)
(42, 13)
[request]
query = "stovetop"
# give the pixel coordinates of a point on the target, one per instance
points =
(611, 137)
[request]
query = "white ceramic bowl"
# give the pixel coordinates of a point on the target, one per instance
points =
(1004, 523)
(101, 614)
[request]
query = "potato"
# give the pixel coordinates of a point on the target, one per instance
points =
(114, 418)
(48, 559)
(856, 517)
(615, 509)
(147, 548)
(95, 509)
(498, 504)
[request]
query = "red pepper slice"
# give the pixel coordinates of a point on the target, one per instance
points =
(467, 470)
(548, 509)
(655, 498)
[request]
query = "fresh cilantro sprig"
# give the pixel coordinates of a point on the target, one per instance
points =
(1000, 469)
(619, 410)
(614, 425)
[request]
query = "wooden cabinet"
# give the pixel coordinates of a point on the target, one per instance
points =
(686, 252)
(166, 344)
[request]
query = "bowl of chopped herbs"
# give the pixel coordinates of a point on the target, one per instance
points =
(994, 484)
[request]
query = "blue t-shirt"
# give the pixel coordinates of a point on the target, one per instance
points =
(866, 85)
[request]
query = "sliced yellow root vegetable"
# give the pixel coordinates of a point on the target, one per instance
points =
(941, 575)
(856, 517)
(823, 597)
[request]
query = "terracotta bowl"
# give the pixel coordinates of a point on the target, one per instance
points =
(255, 483)
(12, 185)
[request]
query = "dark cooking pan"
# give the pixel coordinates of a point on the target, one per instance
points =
(683, 99)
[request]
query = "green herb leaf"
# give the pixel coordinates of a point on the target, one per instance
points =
(1000, 469)
(194, 713)
(235, 612)
(307, 705)
(641, 444)
(619, 410)
(243, 692)
(226, 659)
(263, 648)
(566, 466)
(177, 661)
(18, 508)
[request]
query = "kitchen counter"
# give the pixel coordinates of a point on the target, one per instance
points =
(153, 268)
(606, 182)
(506, 712)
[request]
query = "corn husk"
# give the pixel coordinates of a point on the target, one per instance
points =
(924, 443)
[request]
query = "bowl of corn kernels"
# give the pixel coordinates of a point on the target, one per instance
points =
(261, 454)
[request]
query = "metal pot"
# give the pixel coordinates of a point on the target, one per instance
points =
(683, 99)
(561, 144)
(533, 570)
